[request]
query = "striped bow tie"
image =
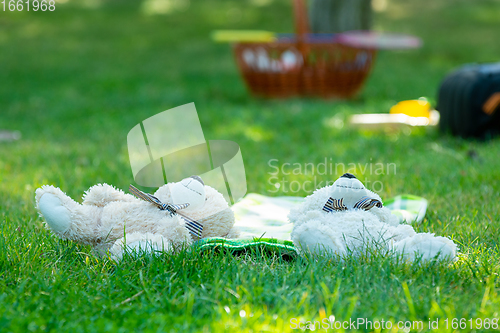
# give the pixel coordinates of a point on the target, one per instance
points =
(334, 205)
(366, 203)
(194, 227)
(338, 204)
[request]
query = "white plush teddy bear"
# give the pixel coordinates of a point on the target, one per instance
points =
(346, 218)
(178, 213)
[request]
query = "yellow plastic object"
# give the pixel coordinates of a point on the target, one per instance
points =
(230, 36)
(413, 108)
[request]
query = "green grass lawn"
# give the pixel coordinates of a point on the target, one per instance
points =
(76, 80)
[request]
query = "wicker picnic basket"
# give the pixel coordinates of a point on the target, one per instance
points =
(304, 64)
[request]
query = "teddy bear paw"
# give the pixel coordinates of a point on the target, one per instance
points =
(426, 247)
(317, 239)
(56, 215)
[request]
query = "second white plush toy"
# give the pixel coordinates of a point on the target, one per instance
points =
(346, 218)
(178, 213)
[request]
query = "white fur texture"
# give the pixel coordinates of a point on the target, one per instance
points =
(137, 243)
(354, 231)
(107, 217)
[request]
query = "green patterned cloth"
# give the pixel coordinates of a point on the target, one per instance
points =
(259, 216)
(409, 208)
(283, 248)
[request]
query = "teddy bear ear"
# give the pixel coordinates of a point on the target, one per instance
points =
(348, 175)
(198, 178)
(163, 192)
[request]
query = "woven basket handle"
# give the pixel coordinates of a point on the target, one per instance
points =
(301, 24)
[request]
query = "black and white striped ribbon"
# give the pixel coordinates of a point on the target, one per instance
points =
(194, 227)
(334, 205)
(337, 205)
(366, 203)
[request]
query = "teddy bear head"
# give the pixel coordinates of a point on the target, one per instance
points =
(190, 191)
(348, 193)
(206, 205)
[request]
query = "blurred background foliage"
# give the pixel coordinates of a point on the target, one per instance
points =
(76, 80)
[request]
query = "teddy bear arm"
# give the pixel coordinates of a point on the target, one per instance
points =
(137, 243)
(102, 194)
(316, 238)
(385, 215)
(219, 224)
